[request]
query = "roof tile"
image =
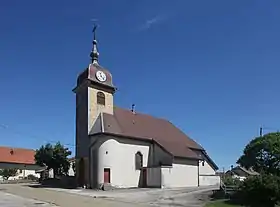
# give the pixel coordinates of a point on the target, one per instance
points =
(17, 155)
(126, 123)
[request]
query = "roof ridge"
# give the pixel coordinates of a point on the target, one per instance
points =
(143, 114)
(19, 148)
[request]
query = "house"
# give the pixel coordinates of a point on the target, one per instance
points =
(241, 173)
(125, 148)
(18, 158)
(71, 171)
(45, 173)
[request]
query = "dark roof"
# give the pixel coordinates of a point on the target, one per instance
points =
(89, 74)
(239, 170)
(146, 127)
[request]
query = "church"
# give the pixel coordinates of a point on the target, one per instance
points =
(123, 148)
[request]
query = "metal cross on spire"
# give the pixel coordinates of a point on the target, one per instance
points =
(94, 31)
(94, 52)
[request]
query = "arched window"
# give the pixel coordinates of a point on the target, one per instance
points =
(101, 98)
(138, 160)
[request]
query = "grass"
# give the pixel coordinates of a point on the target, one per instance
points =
(220, 203)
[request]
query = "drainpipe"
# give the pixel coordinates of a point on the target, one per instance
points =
(24, 172)
(198, 173)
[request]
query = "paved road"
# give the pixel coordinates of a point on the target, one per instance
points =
(61, 199)
(188, 197)
(9, 200)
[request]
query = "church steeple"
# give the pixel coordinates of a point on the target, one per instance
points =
(94, 53)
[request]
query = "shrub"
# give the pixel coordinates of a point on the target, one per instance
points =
(230, 181)
(260, 191)
(32, 177)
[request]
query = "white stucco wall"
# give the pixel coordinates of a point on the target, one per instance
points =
(208, 180)
(241, 178)
(207, 174)
(118, 154)
(184, 173)
(119, 157)
(206, 169)
(71, 170)
(22, 174)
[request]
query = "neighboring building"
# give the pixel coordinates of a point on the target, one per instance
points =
(125, 148)
(21, 159)
(71, 171)
(241, 173)
(49, 173)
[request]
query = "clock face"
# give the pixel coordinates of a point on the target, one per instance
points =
(101, 76)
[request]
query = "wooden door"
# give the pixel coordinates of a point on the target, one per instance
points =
(107, 175)
(144, 173)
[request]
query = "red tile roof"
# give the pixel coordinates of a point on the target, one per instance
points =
(17, 155)
(146, 127)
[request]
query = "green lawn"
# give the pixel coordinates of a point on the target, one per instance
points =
(220, 204)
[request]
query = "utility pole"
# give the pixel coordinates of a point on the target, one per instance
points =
(261, 131)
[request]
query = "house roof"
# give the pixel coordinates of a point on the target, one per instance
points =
(142, 126)
(238, 169)
(16, 155)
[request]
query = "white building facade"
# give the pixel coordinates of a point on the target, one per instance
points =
(114, 161)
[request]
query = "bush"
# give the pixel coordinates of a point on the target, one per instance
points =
(230, 181)
(260, 191)
(32, 177)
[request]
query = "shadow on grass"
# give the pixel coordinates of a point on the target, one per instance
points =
(229, 199)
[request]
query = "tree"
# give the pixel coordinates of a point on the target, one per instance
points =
(6, 173)
(54, 157)
(263, 154)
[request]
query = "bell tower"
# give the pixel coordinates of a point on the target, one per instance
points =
(94, 94)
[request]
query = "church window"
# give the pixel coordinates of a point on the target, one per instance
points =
(138, 160)
(101, 98)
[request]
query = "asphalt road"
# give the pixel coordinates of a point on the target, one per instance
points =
(188, 197)
(9, 200)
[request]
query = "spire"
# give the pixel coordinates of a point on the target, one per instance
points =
(94, 53)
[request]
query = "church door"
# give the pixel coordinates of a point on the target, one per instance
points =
(144, 173)
(107, 175)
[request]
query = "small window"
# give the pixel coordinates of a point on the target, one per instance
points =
(203, 163)
(101, 98)
(138, 160)
(20, 171)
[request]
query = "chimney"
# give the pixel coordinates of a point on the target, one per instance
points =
(133, 108)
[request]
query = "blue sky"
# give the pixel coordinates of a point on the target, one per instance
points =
(210, 67)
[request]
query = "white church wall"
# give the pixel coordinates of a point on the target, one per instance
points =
(119, 156)
(206, 169)
(209, 180)
(184, 173)
(207, 174)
